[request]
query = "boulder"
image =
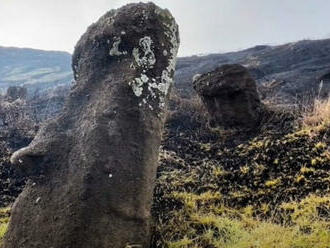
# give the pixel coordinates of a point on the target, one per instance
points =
(92, 169)
(230, 96)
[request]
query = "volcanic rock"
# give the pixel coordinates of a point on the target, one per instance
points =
(92, 169)
(230, 96)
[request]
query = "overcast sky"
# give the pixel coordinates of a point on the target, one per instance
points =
(206, 26)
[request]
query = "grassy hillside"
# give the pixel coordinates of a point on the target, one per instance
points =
(233, 188)
(34, 69)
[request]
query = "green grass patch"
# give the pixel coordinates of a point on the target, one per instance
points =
(202, 224)
(4, 220)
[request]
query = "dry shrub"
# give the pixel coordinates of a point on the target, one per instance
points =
(192, 105)
(317, 118)
(186, 112)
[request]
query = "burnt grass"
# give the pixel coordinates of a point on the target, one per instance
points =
(12, 181)
(277, 162)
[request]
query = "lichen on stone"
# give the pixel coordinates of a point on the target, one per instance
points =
(148, 58)
(145, 59)
(137, 86)
(167, 74)
(114, 51)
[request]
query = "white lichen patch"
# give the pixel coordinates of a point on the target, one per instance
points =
(147, 59)
(157, 88)
(144, 78)
(114, 51)
(162, 87)
(167, 74)
(137, 86)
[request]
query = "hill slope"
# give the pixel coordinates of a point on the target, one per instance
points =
(35, 69)
(297, 67)
(290, 69)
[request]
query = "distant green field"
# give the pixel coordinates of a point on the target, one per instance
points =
(35, 69)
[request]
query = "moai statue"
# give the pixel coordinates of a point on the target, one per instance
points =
(230, 96)
(92, 169)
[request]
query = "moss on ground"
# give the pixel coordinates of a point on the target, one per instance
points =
(4, 219)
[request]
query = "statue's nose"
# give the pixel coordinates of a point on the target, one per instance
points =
(28, 161)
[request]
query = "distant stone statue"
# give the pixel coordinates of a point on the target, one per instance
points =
(93, 168)
(230, 96)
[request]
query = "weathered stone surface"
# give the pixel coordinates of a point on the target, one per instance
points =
(230, 96)
(92, 169)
